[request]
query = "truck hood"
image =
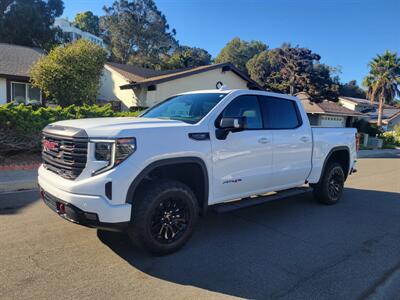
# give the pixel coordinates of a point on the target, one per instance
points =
(109, 127)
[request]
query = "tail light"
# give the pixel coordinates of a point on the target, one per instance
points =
(357, 137)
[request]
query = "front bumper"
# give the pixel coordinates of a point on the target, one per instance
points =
(78, 216)
(99, 205)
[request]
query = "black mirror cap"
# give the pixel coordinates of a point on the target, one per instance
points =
(233, 124)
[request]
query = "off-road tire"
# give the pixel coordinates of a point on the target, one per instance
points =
(330, 187)
(146, 208)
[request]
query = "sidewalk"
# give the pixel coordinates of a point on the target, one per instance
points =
(379, 153)
(15, 180)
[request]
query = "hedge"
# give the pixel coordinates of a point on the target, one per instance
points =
(21, 125)
(392, 137)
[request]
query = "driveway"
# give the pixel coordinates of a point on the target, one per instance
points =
(288, 249)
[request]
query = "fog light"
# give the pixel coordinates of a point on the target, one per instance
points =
(91, 216)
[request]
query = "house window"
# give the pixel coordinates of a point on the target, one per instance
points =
(24, 93)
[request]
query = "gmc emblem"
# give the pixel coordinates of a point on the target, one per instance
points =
(49, 145)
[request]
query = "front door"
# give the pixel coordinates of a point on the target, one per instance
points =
(242, 163)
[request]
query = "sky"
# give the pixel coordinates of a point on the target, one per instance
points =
(346, 33)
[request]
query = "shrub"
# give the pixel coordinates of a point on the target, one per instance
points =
(21, 125)
(392, 137)
(70, 74)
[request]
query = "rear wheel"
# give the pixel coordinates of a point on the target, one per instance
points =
(330, 188)
(163, 216)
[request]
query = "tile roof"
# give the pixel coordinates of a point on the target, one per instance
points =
(387, 113)
(355, 100)
(16, 60)
(330, 107)
(142, 77)
(324, 107)
(135, 73)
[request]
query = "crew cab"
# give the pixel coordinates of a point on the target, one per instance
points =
(154, 175)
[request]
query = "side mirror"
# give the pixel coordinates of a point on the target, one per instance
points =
(227, 125)
(233, 124)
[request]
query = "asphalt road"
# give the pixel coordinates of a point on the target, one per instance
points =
(288, 249)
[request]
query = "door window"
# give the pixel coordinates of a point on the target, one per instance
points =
(245, 106)
(280, 113)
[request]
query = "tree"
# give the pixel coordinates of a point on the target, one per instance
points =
(322, 86)
(137, 31)
(296, 65)
(383, 80)
(262, 69)
(70, 74)
(293, 69)
(351, 89)
(29, 22)
(239, 52)
(186, 57)
(88, 22)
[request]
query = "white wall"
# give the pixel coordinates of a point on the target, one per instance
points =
(3, 91)
(347, 104)
(109, 88)
(201, 81)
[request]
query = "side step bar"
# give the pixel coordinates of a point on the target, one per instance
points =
(252, 201)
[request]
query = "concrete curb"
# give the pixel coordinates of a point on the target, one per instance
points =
(18, 180)
(18, 186)
(378, 153)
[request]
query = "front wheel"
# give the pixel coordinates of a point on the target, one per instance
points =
(163, 216)
(330, 187)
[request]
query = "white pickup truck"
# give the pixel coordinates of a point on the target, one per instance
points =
(155, 174)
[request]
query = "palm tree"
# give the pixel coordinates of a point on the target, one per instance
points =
(383, 80)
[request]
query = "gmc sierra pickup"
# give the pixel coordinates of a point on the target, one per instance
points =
(155, 174)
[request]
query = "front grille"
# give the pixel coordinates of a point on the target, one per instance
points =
(65, 156)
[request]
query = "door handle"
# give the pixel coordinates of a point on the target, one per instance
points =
(304, 139)
(263, 140)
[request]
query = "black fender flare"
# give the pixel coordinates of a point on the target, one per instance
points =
(330, 153)
(166, 162)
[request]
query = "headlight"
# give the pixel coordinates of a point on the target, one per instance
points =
(113, 152)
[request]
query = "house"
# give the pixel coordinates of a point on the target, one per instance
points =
(15, 62)
(356, 104)
(390, 114)
(140, 87)
(327, 113)
(390, 117)
(72, 33)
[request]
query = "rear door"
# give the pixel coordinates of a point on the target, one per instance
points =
(292, 141)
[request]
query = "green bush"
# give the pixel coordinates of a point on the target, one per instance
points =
(392, 137)
(22, 125)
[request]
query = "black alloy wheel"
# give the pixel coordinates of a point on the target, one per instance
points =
(336, 182)
(170, 220)
(330, 187)
(164, 214)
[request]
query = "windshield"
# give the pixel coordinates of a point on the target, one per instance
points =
(189, 108)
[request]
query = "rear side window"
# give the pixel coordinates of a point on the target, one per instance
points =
(245, 106)
(279, 113)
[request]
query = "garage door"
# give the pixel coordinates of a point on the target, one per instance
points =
(332, 121)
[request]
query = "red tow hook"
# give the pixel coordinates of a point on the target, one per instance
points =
(61, 208)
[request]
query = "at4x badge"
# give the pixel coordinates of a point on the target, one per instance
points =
(232, 181)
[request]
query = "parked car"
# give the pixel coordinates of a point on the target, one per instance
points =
(155, 174)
